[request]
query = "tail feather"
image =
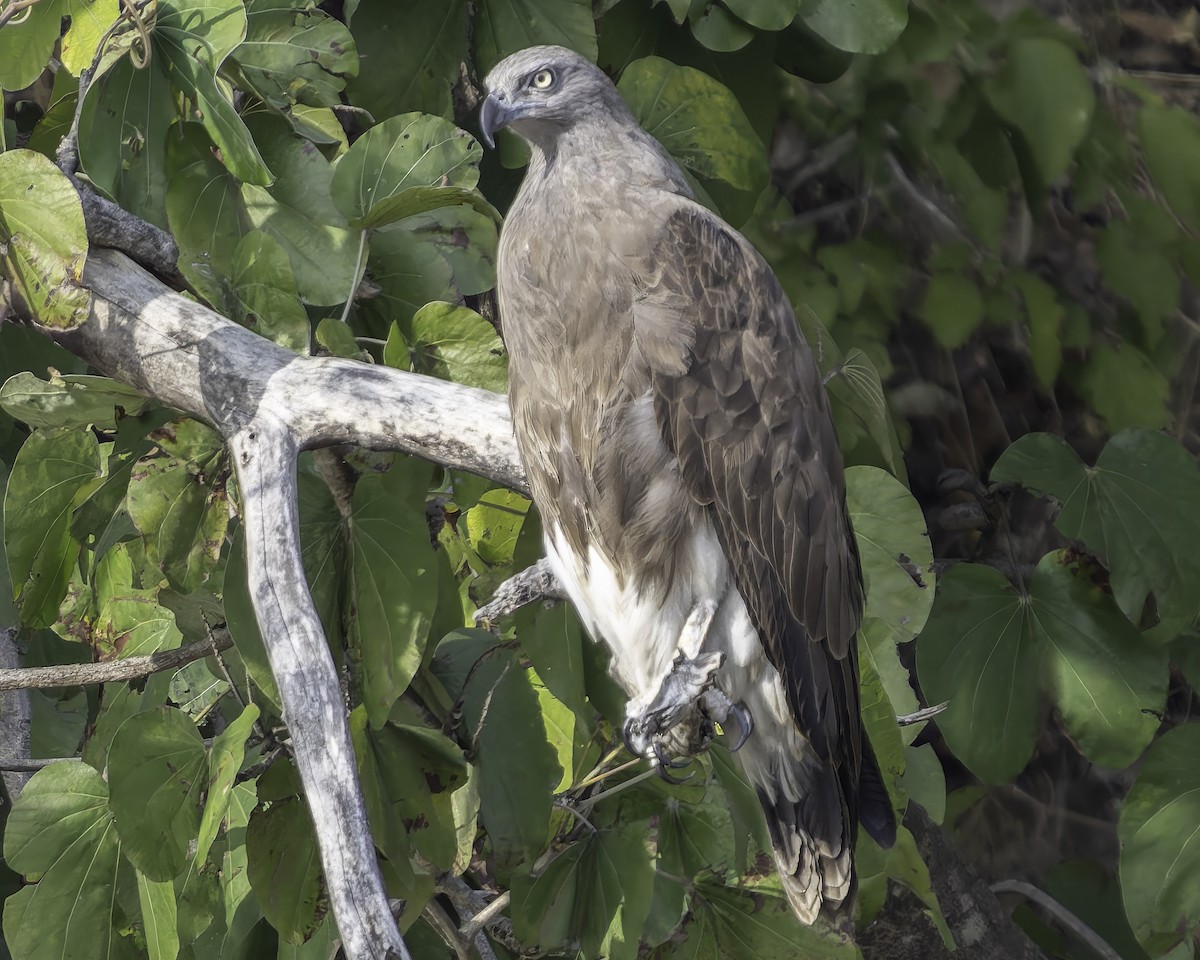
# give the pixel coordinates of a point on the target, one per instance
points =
(875, 811)
(812, 840)
(811, 809)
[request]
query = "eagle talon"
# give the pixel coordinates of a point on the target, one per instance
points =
(745, 724)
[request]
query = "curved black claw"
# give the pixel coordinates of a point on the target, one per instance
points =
(745, 725)
(665, 764)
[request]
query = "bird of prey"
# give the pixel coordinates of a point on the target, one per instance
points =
(680, 448)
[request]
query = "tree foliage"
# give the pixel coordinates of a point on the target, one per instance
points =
(989, 234)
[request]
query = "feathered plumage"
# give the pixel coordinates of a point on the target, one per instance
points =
(680, 448)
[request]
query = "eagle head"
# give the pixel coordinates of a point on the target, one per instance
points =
(540, 92)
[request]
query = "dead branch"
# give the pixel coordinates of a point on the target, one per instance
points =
(131, 668)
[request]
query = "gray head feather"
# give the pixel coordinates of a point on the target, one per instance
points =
(542, 92)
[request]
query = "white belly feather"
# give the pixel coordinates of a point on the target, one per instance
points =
(642, 633)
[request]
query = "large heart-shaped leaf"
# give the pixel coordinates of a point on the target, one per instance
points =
(1138, 510)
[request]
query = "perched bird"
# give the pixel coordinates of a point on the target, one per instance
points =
(680, 449)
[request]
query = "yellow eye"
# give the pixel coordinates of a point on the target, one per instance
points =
(542, 80)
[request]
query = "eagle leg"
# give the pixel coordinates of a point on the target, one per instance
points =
(681, 696)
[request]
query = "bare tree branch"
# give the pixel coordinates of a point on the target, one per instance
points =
(15, 715)
(534, 583)
(269, 404)
(131, 668)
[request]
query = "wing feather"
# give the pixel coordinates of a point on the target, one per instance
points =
(746, 416)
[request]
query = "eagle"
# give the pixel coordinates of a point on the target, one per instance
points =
(681, 451)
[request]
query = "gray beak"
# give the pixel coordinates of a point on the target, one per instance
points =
(494, 115)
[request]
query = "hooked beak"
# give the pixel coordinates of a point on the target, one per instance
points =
(495, 114)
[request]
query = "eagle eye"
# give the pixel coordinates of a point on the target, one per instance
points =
(542, 80)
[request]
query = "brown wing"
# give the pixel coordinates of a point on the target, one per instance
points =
(750, 425)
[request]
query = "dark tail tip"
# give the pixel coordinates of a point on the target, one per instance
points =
(875, 811)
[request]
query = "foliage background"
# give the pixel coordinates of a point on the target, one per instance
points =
(986, 216)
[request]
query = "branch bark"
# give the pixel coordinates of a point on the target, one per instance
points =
(15, 716)
(268, 405)
(131, 668)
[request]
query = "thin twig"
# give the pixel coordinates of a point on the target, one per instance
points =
(1059, 913)
(913, 192)
(485, 916)
(822, 159)
(623, 785)
(9, 14)
(925, 713)
(131, 668)
(534, 583)
(445, 929)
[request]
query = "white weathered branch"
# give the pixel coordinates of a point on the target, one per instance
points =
(269, 404)
(15, 716)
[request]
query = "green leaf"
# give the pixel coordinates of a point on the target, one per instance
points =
(225, 760)
(979, 653)
(284, 868)
(192, 40)
(294, 53)
(27, 42)
(395, 580)
(987, 648)
(197, 690)
(202, 212)
(263, 292)
(410, 51)
(1138, 510)
(953, 308)
(502, 711)
(409, 772)
(718, 29)
(554, 644)
(336, 337)
(43, 241)
(159, 917)
(1110, 686)
(506, 26)
(411, 150)
(924, 780)
(1141, 273)
(90, 20)
(457, 344)
(894, 548)
(764, 14)
(60, 831)
(1044, 92)
(157, 771)
(732, 924)
(866, 26)
(182, 517)
(598, 889)
(1160, 842)
(1142, 399)
(697, 120)
(127, 113)
(237, 910)
(1090, 891)
(72, 400)
(50, 470)
(1170, 140)
(56, 724)
(132, 624)
(1045, 316)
